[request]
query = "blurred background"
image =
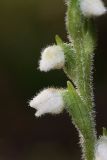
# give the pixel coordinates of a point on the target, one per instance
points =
(25, 28)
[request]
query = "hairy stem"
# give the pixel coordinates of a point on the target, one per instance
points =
(83, 38)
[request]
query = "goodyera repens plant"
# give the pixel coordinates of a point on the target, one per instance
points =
(76, 59)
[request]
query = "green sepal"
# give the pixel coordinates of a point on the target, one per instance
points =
(70, 58)
(58, 40)
(104, 131)
(77, 108)
(70, 61)
(82, 120)
(74, 20)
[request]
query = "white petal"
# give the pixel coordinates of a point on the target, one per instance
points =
(52, 58)
(92, 7)
(48, 101)
(38, 113)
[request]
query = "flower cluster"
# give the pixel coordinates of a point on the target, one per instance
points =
(49, 100)
(52, 57)
(76, 60)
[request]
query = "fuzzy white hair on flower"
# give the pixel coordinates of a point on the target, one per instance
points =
(48, 101)
(52, 57)
(101, 149)
(92, 7)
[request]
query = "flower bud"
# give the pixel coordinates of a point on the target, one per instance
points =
(48, 101)
(92, 7)
(101, 149)
(52, 57)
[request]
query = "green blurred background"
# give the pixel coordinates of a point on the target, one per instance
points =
(25, 28)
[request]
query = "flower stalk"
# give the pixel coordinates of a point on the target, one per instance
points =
(83, 38)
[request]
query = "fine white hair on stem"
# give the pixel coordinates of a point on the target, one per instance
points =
(52, 57)
(92, 7)
(101, 149)
(48, 101)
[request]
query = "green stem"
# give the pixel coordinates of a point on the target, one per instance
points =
(82, 33)
(82, 36)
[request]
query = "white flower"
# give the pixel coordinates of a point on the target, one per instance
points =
(101, 149)
(52, 58)
(92, 7)
(48, 101)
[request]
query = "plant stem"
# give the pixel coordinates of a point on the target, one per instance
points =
(80, 106)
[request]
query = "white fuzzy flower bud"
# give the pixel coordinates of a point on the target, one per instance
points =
(101, 149)
(92, 7)
(48, 101)
(52, 58)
